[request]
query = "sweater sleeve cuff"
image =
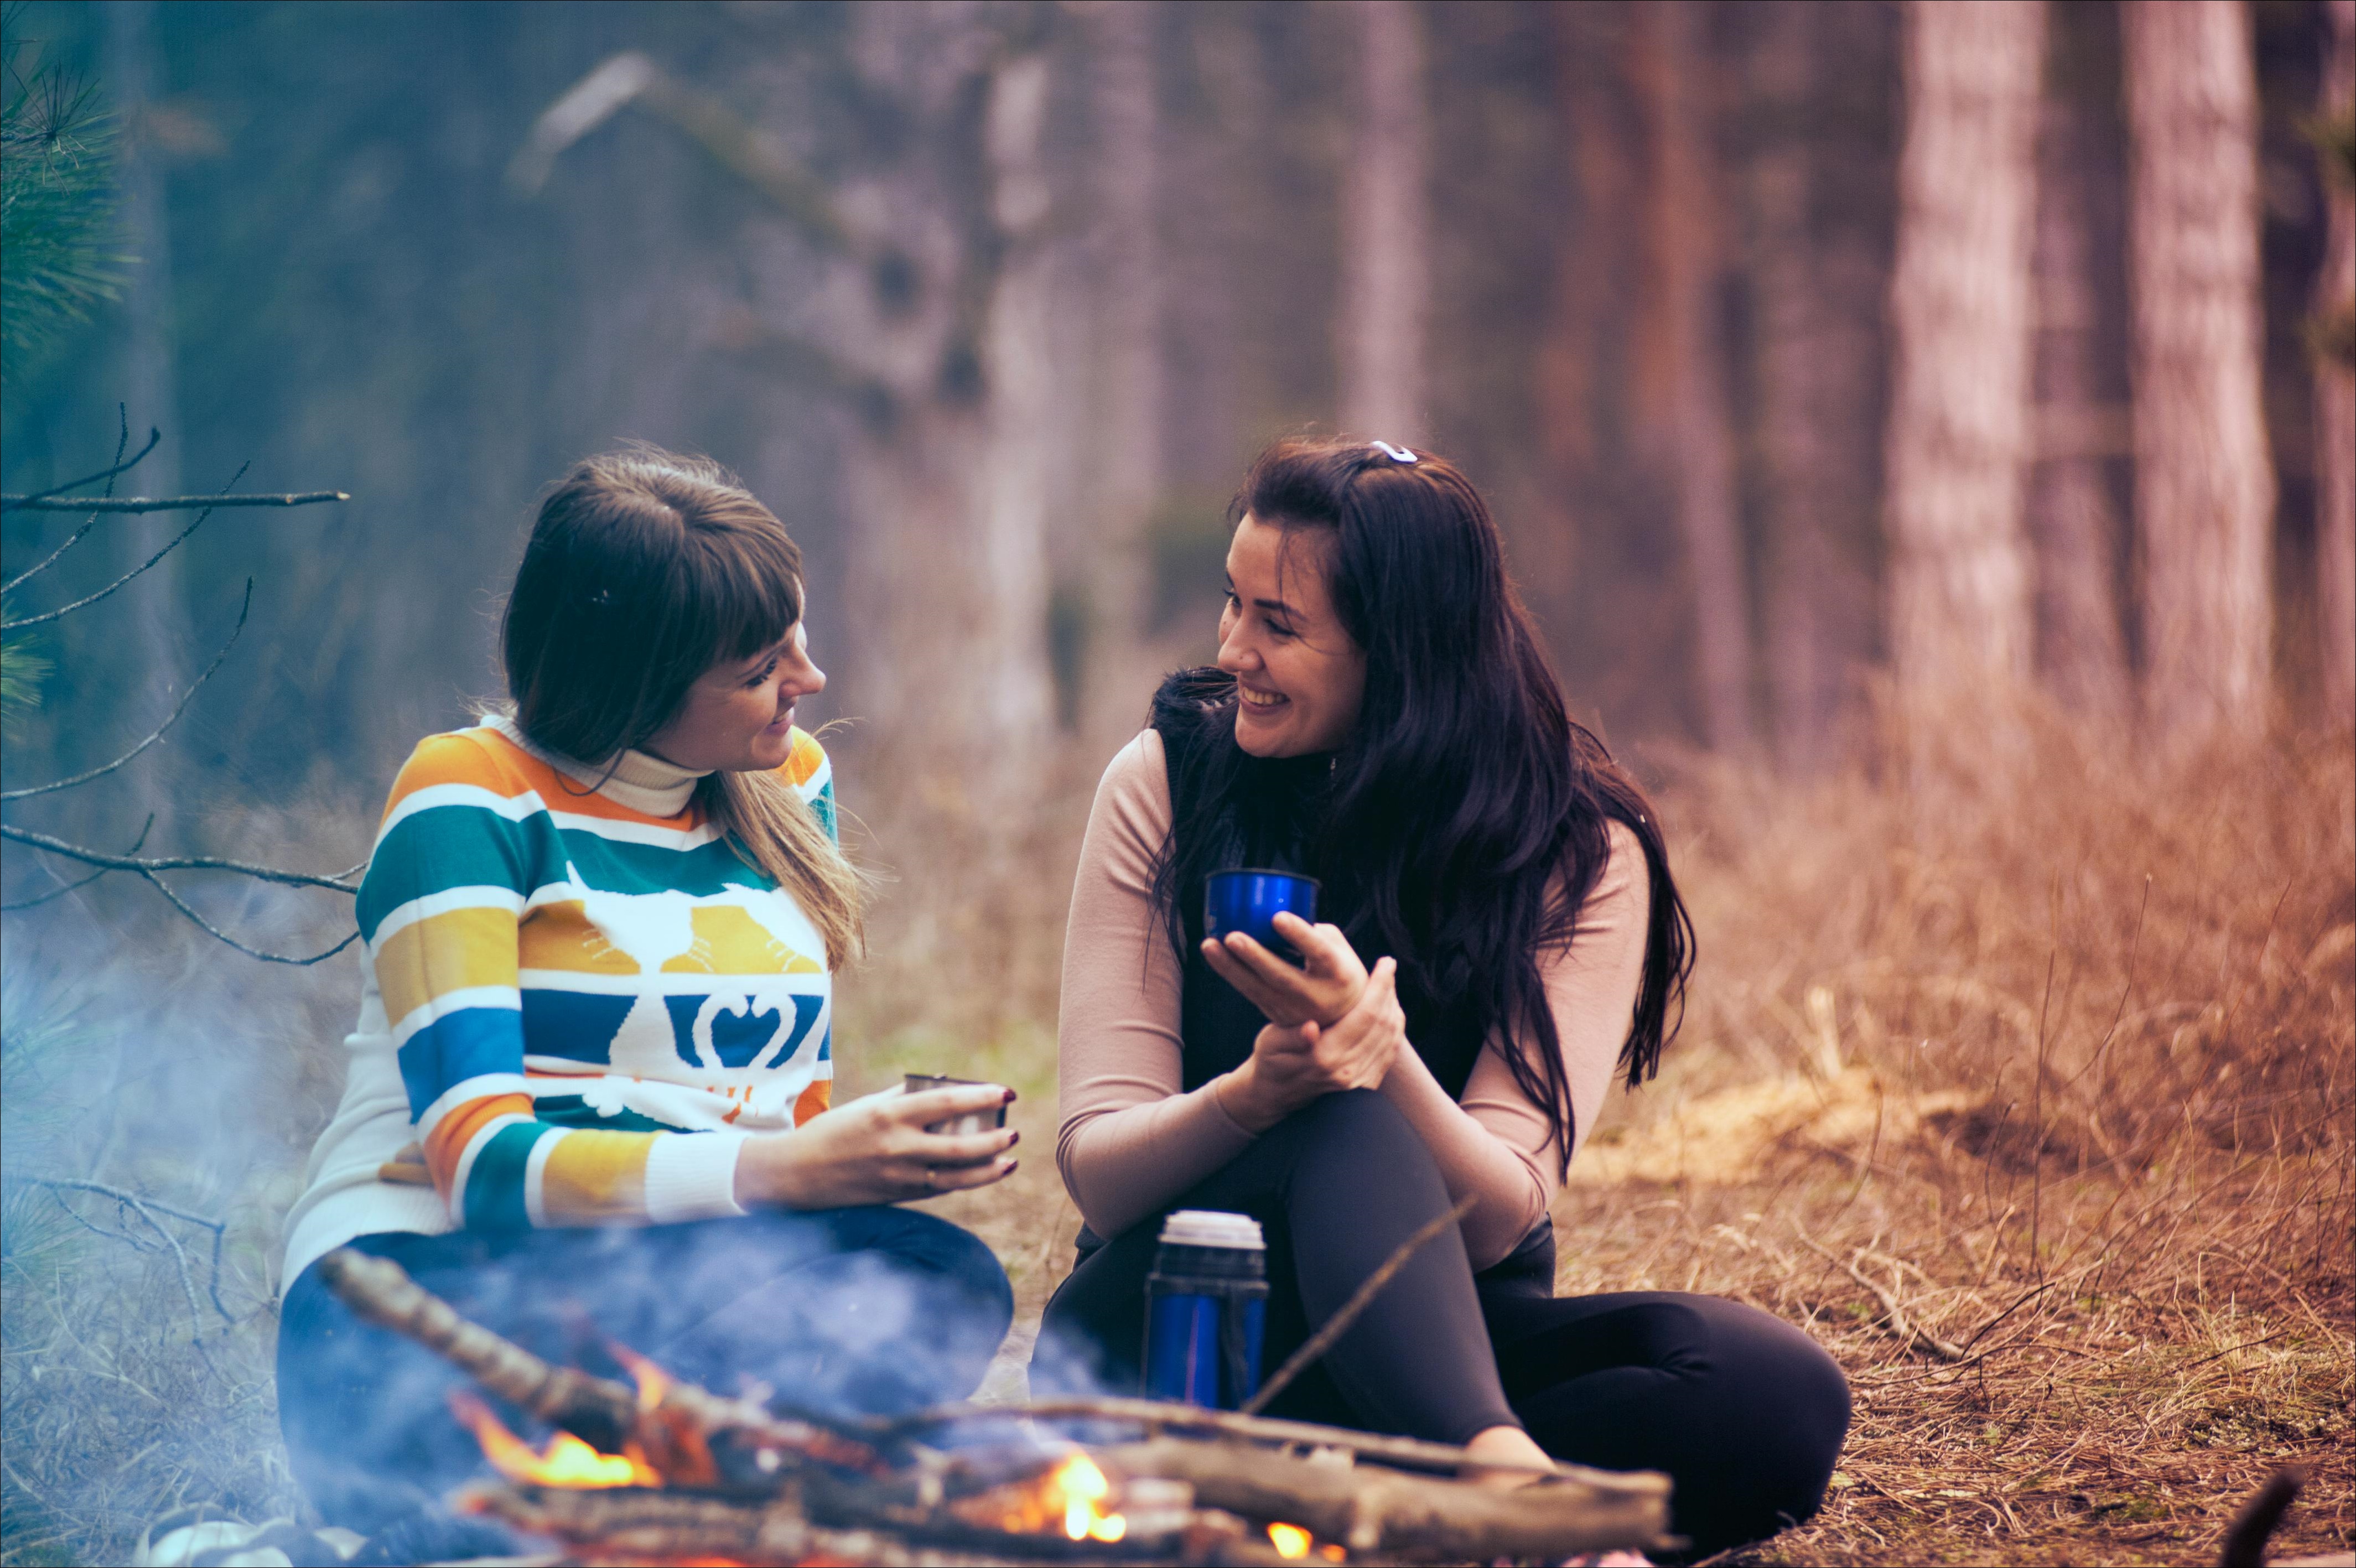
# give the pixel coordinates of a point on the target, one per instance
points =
(693, 1176)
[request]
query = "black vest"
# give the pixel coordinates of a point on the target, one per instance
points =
(1271, 825)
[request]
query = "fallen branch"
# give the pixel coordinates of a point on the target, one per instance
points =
(1905, 1329)
(147, 1209)
(1412, 1517)
(1336, 1326)
(1159, 1415)
(674, 1431)
(163, 503)
(1570, 1509)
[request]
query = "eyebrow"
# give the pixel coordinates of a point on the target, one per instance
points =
(1279, 605)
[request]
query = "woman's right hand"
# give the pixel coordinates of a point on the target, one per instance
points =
(875, 1150)
(1289, 1067)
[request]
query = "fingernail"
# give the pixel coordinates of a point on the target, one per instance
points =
(1011, 1165)
(1013, 1139)
(1010, 1097)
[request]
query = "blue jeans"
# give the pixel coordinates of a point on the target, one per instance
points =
(871, 1310)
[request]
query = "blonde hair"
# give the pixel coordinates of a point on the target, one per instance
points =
(644, 570)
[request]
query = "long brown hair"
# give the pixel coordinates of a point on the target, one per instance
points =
(1467, 817)
(646, 569)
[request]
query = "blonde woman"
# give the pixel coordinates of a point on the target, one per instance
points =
(590, 1089)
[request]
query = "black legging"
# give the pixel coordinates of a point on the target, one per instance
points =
(1742, 1411)
(874, 1310)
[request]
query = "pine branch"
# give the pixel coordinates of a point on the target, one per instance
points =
(165, 504)
(64, 888)
(157, 733)
(121, 440)
(175, 543)
(341, 882)
(120, 466)
(177, 902)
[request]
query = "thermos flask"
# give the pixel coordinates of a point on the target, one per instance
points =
(1250, 899)
(1206, 1310)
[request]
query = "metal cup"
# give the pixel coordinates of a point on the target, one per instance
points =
(1250, 899)
(957, 1126)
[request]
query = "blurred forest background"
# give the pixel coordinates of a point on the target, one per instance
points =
(1924, 432)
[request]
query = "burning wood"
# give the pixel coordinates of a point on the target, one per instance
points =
(668, 1473)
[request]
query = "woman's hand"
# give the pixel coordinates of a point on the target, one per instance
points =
(875, 1150)
(1289, 1067)
(1324, 988)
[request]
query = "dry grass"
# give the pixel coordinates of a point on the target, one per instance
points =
(2056, 1047)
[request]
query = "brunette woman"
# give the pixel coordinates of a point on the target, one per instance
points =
(1503, 935)
(589, 1088)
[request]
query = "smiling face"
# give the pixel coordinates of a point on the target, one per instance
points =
(1299, 676)
(738, 717)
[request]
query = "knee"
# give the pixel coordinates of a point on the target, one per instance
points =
(928, 1244)
(1357, 1119)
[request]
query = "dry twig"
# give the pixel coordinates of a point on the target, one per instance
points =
(1333, 1328)
(1905, 1329)
(44, 502)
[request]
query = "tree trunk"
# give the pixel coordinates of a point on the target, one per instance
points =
(1127, 452)
(2204, 489)
(1957, 441)
(151, 393)
(1386, 260)
(2335, 389)
(2074, 523)
(1816, 248)
(1695, 441)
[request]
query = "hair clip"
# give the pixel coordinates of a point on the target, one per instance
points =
(1396, 453)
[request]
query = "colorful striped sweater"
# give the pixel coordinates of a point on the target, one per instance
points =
(577, 1007)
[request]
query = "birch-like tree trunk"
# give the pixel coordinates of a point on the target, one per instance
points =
(2335, 389)
(2204, 486)
(1695, 441)
(1386, 243)
(2073, 523)
(1811, 256)
(1958, 440)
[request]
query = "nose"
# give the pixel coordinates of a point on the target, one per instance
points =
(1236, 653)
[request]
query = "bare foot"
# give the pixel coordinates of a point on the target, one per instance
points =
(1519, 1460)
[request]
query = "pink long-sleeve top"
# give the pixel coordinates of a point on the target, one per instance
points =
(1131, 1142)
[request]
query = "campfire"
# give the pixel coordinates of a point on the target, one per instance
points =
(668, 1473)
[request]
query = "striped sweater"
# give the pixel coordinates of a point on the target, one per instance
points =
(580, 1000)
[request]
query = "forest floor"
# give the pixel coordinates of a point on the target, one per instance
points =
(2053, 1052)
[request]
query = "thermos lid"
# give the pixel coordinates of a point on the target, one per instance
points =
(1211, 1227)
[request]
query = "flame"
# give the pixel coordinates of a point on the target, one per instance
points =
(1291, 1540)
(653, 1382)
(1082, 1487)
(566, 1461)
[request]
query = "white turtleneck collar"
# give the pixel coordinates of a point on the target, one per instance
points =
(637, 779)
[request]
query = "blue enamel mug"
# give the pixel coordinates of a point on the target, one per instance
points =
(1250, 899)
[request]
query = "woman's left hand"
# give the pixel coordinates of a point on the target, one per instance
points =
(1322, 990)
(1289, 1067)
